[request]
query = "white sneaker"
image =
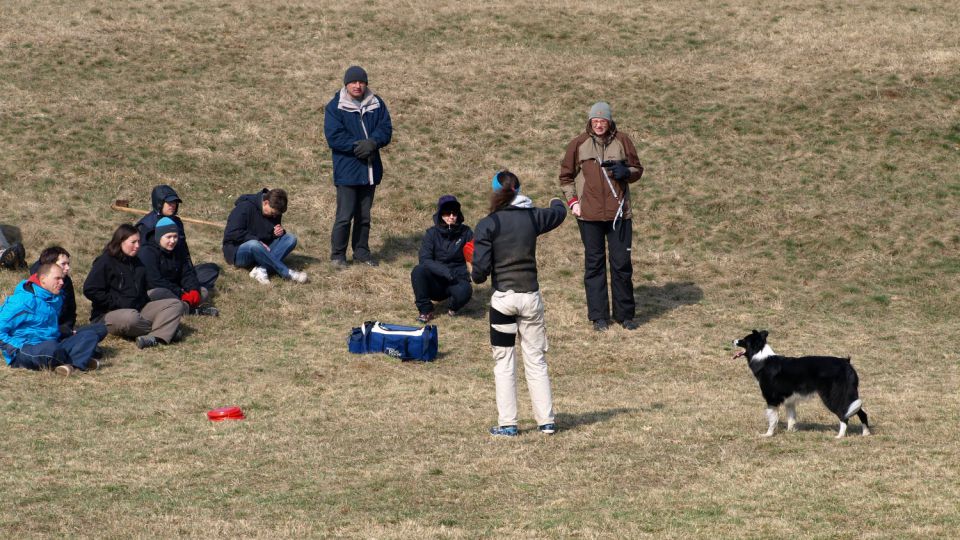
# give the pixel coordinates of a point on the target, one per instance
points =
(259, 273)
(299, 277)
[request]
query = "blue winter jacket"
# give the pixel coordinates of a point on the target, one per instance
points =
(344, 123)
(29, 316)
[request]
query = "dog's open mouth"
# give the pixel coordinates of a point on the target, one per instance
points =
(739, 354)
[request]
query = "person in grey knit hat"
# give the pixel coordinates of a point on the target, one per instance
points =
(595, 175)
(357, 126)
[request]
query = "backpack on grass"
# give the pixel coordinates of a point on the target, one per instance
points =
(403, 342)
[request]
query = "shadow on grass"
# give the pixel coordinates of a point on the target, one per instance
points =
(652, 302)
(568, 421)
(395, 246)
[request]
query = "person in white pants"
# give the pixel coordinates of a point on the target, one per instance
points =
(506, 250)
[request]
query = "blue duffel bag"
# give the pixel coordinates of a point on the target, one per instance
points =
(403, 342)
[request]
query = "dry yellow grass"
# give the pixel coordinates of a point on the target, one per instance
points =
(802, 176)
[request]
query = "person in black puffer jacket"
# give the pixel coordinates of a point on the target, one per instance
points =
(117, 288)
(170, 274)
(444, 253)
(166, 203)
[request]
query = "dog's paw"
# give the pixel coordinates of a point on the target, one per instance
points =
(767, 434)
(791, 428)
(866, 432)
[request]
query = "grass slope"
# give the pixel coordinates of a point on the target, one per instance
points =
(802, 176)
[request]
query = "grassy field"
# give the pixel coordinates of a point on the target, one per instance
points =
(802, 175)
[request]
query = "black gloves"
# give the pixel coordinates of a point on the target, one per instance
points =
(365, 148)
(618, 169)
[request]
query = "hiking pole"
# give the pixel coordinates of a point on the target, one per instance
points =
(614, 193)
(122, 205)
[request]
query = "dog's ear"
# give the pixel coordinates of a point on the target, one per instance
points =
(764, 334)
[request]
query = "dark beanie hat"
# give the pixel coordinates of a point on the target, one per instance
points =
(353, 74)
(165, 226)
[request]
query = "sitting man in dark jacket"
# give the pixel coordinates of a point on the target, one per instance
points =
(255, 238)
(166, 203)
(170, 274)
(444, 253)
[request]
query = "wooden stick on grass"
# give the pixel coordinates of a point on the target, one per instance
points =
(123, 205)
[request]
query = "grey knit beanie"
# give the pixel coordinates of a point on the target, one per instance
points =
(355, 73)
(601, 109)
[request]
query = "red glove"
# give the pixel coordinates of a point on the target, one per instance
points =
(468, 251)
(191, 297)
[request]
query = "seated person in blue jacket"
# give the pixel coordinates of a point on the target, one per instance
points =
(68, 312)
(444, 253)
(166, 203)
(169, 271)
(30, 335)
(255, 237)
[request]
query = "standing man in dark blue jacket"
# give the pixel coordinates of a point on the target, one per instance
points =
(357, 125)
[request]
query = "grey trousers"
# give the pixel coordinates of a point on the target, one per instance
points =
(159, 318)
(164, 294)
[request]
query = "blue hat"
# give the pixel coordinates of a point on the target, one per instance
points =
(496, 182)
(165, 226)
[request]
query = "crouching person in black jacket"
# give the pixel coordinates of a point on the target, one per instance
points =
(506, 250)
(444, 253)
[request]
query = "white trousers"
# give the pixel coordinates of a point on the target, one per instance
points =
(512, 313)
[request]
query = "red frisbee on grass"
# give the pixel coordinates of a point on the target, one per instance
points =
(225, 413)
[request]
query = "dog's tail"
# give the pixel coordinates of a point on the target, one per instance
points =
(853, 409)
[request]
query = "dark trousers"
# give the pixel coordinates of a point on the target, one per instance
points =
(207, 274)
(597, 236)
(76, 350)
(353, 206)
(429, 287)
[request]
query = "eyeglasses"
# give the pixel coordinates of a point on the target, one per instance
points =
(448, 213)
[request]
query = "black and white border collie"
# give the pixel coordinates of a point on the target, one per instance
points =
(785, 380)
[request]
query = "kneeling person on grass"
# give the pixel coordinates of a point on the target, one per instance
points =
(255, 237)
(30, 335)
(442, 272)
(169, 273)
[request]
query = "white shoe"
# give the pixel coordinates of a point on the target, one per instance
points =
(259, 273)
(299, 277)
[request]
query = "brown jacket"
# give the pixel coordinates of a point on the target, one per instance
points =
(581, 178)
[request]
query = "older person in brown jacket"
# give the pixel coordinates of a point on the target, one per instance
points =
(597, 169)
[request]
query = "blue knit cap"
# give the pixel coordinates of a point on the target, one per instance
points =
(496, 182)
(165, 226)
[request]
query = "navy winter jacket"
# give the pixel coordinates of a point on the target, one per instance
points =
(442, 249)
(345, 123)
(247, 222)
